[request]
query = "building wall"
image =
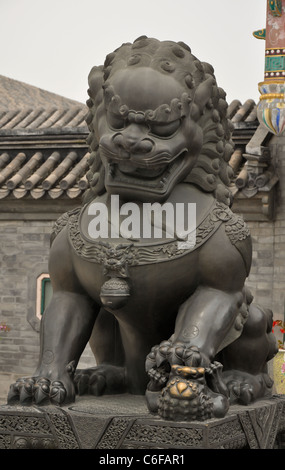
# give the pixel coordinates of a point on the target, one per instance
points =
(267, 276)
(24, 248)
(24, 252)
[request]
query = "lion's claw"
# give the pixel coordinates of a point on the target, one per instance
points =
(26, 392)
(173, 353)
(57, 393)
(41, 393)
(38, 390)
(14, 392)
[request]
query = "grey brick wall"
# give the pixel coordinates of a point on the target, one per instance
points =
(24, 252)
(24, 245)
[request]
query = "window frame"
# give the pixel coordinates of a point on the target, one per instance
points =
(42, 279)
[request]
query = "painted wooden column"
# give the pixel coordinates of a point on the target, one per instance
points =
(271, 107)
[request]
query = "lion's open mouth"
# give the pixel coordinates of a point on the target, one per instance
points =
(138, 172)
(152, 176)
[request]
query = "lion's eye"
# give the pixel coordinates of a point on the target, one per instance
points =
(115, 122)
(164, 130)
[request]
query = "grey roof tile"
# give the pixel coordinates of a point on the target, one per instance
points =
(51, 175)
(24, 106)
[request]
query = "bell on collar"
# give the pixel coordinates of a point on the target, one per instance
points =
(114, 293)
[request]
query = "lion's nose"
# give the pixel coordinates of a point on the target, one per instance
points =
(133, 139)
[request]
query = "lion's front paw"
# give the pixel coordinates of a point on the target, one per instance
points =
(165, 355)
(171, 353)
(40, 391)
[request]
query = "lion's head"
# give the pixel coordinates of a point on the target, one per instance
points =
(156, 118)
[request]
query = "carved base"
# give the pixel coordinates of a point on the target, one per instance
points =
(123, 422)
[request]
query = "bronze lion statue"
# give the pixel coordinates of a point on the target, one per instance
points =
(164, 317)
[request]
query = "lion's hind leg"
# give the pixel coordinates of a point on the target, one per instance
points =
(245, 360)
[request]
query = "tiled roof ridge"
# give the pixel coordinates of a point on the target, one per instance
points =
(24, 106)
(43, 118)
(15, 93)
(37, 176)
(238, 112)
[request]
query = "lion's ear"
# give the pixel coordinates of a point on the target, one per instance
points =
(95, 81)
(203, 93)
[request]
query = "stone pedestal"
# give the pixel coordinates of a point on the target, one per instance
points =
(123, 422)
